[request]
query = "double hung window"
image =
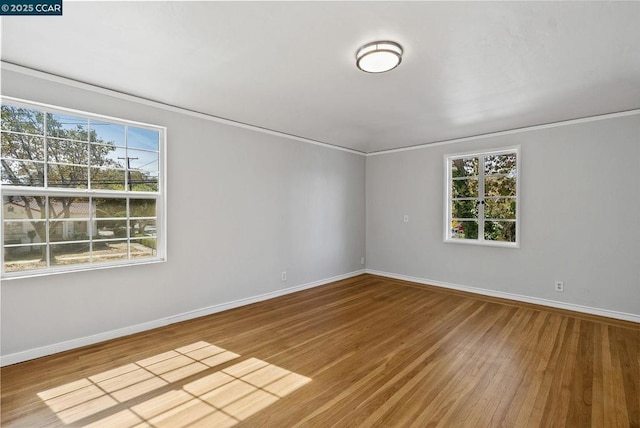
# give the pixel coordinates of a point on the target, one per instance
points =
(78, 190)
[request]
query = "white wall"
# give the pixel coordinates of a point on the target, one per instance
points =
(243, 206)
(580, 217)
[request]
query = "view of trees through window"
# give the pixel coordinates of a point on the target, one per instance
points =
(483, 197)
(76, 190)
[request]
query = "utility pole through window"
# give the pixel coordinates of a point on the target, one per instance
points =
(129, 170)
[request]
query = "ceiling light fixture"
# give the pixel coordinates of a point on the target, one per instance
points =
(378, 57)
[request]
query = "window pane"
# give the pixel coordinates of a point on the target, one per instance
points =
(500, 164)
(25, 147)
(25, 232)
(140, 138)
(141, 248)
(67, 127)
(65, 151)
(25, 258)
(73, 176)
(140, 181)
(500, 186)
(108, 156)
(106, 133)
(500, 231)
(464, 188)
(70, 254)
(144, 171)
(143, 228)
(464, 229)
(18, 173)
(147, 228)
(69, 207)
(109, 179)
(23, 207)
(143, 161)
(110, 207)
(68, 230)
(464, 209)
(14, 233)
(500, 208)
(110, 229)
(142, 207)
(22, 120)
(467, 167)
(109, 251)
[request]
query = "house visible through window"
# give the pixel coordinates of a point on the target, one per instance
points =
(482, 198)
(78, 190)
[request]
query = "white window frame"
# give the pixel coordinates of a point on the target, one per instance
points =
(448, 238)
(159, 196)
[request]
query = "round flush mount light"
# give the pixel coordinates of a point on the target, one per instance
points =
(378, 57)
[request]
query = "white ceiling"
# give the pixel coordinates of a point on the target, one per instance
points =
(469, 67)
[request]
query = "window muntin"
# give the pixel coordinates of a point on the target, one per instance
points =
(78, 190)
(482, 198)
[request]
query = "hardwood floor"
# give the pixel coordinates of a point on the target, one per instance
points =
(367, 351)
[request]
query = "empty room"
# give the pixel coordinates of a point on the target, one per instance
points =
(317, 214)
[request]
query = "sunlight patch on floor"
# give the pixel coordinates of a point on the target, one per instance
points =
(222, 398)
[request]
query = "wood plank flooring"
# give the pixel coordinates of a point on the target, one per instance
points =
(363, 352)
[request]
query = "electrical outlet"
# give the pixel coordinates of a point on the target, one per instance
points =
(284, 275)
(362, 260)
(406, 218)
(560, 286)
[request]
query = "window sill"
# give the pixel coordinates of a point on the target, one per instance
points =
(82, 268)
(482, 243)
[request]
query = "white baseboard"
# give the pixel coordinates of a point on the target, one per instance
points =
(249, 300)
(42, 351)
(510, 296)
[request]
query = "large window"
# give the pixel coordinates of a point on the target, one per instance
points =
(482, 203)
(78, 190)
